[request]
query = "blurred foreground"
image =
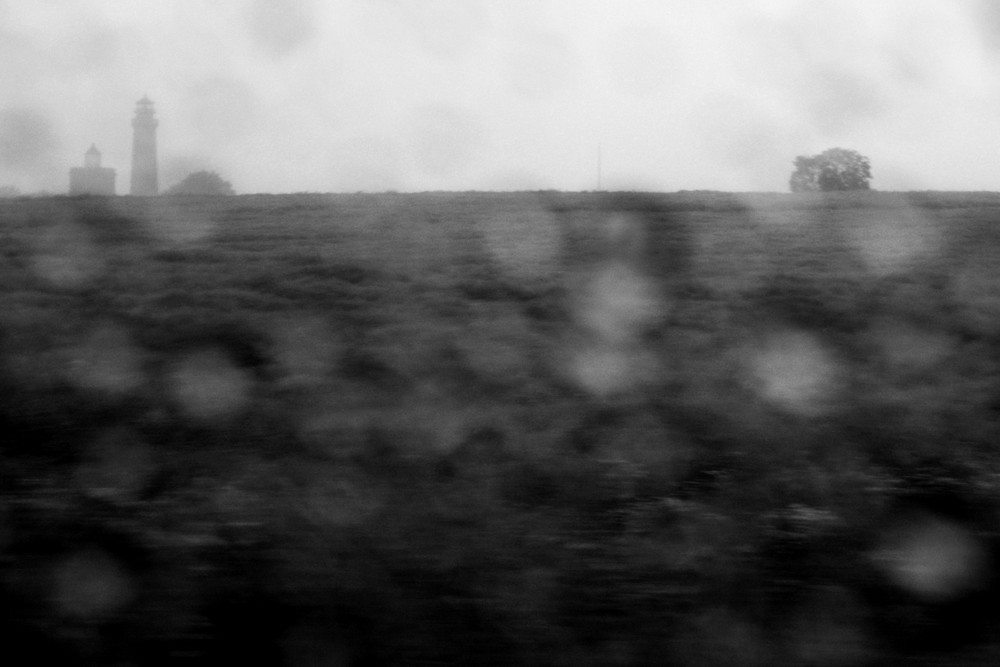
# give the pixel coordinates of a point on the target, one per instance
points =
(540, 429)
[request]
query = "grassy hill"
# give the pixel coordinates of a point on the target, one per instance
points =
(472, 428)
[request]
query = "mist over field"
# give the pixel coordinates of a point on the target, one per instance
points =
(304, 95)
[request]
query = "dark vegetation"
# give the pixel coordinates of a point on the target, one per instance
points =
(835, 169)
(538, 429)
(201, 183)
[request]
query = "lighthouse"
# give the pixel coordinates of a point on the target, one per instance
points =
(144, 181)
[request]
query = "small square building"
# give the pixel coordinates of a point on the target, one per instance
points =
(92, 178)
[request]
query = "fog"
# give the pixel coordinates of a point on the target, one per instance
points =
(345, 95)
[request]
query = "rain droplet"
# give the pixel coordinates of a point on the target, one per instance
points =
(117, 466)
(526, 244)
(91, 584)
(933, 558)
(179, 224)
(606, 368)
(618, 303)
(892, 240)
(794, 371)
(107, 361)
(67, 257)
(207, 386)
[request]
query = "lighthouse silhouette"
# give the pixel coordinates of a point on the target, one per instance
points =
(144, 180)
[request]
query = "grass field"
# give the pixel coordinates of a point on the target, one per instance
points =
(501, 429)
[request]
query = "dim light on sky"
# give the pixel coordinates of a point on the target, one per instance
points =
(345, 95)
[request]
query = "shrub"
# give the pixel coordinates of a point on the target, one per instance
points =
(201, 183)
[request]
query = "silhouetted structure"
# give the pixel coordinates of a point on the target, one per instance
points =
(92, 178)
(144, 179)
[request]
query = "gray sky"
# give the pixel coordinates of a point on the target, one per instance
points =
(344, 95)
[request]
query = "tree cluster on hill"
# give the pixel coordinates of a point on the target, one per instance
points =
(833, 169)
(201, 183)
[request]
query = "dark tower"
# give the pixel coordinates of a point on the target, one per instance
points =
(144, 124)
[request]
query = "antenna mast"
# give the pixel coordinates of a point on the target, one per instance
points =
(598, 167)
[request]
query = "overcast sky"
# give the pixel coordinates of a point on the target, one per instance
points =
(345, 95)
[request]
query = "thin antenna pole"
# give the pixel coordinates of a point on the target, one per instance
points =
(598, 167)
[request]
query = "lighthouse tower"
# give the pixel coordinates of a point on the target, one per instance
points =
(92, 158)
(144, 181)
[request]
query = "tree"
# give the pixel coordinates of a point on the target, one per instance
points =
(201, 183)
(833, 169)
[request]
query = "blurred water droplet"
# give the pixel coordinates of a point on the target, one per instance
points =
(67, 257)
(206, 385)
(894, 239)
(116, 466)
(107, 360)
(933, 558)
(90, 585)
(428, 429)
(618, 303)
(527, 244)
(609, 368)
(179, 224)
(793, 370)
